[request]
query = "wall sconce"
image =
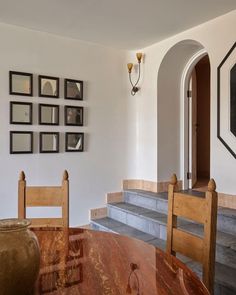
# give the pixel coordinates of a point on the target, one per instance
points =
(130, 66)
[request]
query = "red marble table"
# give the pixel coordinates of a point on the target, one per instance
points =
(81, 261)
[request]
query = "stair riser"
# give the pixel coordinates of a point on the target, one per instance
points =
(146, 202)
(226, 224)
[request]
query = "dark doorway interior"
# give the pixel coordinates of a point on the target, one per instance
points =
(203, 121)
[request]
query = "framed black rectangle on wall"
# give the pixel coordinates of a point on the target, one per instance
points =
(74, 142)
(49, 142)
(226, 101)
(74, 115)
(73, 89)
(20, 83)
(48, 86)
(20, 112)
(48, 114)
(21, 142)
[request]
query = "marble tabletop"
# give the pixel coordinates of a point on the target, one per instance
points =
(80, 261)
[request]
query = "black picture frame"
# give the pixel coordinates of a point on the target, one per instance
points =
(46, 87)
(42, 149)
(221, 134)
(21, 122)
(18, 151)
(12, 86)
(74, 141)
(43, 122)
(74, 115)
(73, 89)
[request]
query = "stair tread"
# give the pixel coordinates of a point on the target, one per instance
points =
(129, 207)
(162, 195)
(140, 211)
(193, 192)
(122, 228)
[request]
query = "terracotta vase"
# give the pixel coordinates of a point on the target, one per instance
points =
(19, 257)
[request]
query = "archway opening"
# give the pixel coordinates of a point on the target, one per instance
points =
(172, 109)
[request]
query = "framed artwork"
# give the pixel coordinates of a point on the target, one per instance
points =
(226, 101)
(48, 86)
(74, 142)
(20, 112)
(20, 83)
(49, 142)
(73, 89)
(21, 142)
(74, 115)
(48, 114)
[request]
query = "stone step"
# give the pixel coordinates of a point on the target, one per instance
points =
(146, 220)
(153, 201)
(225, 244)
(225, 275)
(110, 225)
(226, 220)
(155, 223)
(225, 283)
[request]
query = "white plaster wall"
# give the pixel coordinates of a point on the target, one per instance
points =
(103, 164)
(217, 36)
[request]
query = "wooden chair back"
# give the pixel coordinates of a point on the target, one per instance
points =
(44, 196)
(200, 210)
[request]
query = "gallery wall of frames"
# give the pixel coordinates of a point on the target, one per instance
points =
(21, 113)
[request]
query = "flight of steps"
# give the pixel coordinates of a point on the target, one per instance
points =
(143, 215)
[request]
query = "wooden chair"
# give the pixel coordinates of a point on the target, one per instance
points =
(44, 196)
(200, 210)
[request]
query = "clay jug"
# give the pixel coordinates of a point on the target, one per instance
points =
(19, 257)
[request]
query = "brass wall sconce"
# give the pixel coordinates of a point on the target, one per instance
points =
(135, 89)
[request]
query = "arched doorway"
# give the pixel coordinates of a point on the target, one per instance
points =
(173, 110)
(198, 97)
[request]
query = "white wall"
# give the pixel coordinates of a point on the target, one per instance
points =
(217, 37)
(103, 164)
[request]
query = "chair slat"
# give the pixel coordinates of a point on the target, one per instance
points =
(46, 222)
(187, 244)
(190, 207)
(37, 196)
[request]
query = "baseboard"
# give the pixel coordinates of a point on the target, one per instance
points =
(98, 213)
(85, 226)
(114, 197)
(225, 200)
(146, 185)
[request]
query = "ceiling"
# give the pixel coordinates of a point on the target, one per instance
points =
(124, 24)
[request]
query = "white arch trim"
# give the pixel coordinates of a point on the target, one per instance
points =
(184, 114)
